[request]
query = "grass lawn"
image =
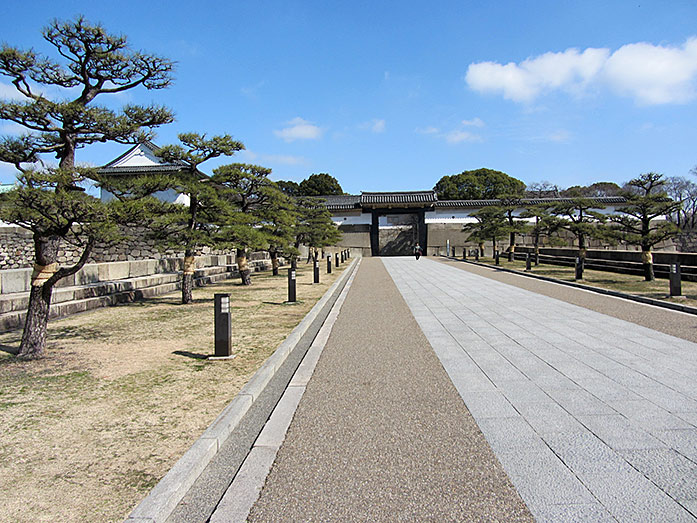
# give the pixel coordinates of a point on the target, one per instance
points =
(658, 289)
(124, 391)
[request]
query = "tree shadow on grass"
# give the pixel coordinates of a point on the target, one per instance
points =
(9, 349)
(193, 355)
(82, 332)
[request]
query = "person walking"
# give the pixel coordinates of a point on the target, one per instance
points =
(417, 251)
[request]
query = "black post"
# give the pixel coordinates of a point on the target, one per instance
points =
(675, 279)
(223, 326)
(464, 253)
(476, 255)
(316, 279)
(527, 261)
(497, 257)
(336, 260)
(291, 285)
(329, 264)
(579, 268)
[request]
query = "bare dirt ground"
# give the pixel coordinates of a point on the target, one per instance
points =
(124, 391)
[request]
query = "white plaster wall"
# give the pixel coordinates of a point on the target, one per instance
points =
(352, 219)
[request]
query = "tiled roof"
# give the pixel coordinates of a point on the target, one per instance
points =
(397, 198)
(600, 200)
(341, 202)
(140, 169)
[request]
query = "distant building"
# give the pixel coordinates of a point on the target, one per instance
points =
(141, 160)
(390, 223)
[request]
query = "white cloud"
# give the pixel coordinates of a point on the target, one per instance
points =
(277, 159)
(458, 136)
(651, 74)
(299, 129)
(474, 122)
(13, 129)
(378, 126)
(282, 159)
(375, 125)
(427, 130)
(654, 74)
(10, 92)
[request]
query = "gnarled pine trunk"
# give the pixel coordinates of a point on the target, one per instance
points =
(188, 277)
(647, 262)
(274, 262)
(243, 267)
(34, 336)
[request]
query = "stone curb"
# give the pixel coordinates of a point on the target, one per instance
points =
(164, 497)
(641, 299)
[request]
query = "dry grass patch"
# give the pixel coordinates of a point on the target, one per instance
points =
(658, 289)
(124, 391)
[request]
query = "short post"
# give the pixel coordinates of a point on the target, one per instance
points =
(223, 326)
(336, 260)
(476, 255)
(579, 268)
(497, 257)
(291, 285)
(675, 279)
(528, 262)
(343, 256)
(464, 253)
(447, 248)
(348, 253)
(537, 258)
(329, 264)
(316, 279)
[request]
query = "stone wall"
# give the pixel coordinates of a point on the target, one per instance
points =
(17, 249)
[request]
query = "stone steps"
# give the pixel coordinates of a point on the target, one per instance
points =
(80, 298)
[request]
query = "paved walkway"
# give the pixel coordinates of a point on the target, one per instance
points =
(380, 433)
(592, 418)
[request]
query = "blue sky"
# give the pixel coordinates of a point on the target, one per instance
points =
(394, 95)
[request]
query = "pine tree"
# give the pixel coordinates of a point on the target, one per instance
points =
(191, 227)
(642, 220)
(50, 201)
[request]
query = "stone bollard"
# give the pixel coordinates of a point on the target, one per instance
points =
(579, 268)
(497, 257)
(329, 264)
(675, 279)
(223, 326)
(291, 285)
(528, 262)
(537, 259)
(316, 278)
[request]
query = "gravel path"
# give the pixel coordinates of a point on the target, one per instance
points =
(381, 433)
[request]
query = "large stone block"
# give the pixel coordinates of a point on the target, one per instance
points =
(141, 268)
(88, 274)
(110, 271)
(15, 280)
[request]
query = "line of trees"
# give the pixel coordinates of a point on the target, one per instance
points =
(645, 218)
(238, 207)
